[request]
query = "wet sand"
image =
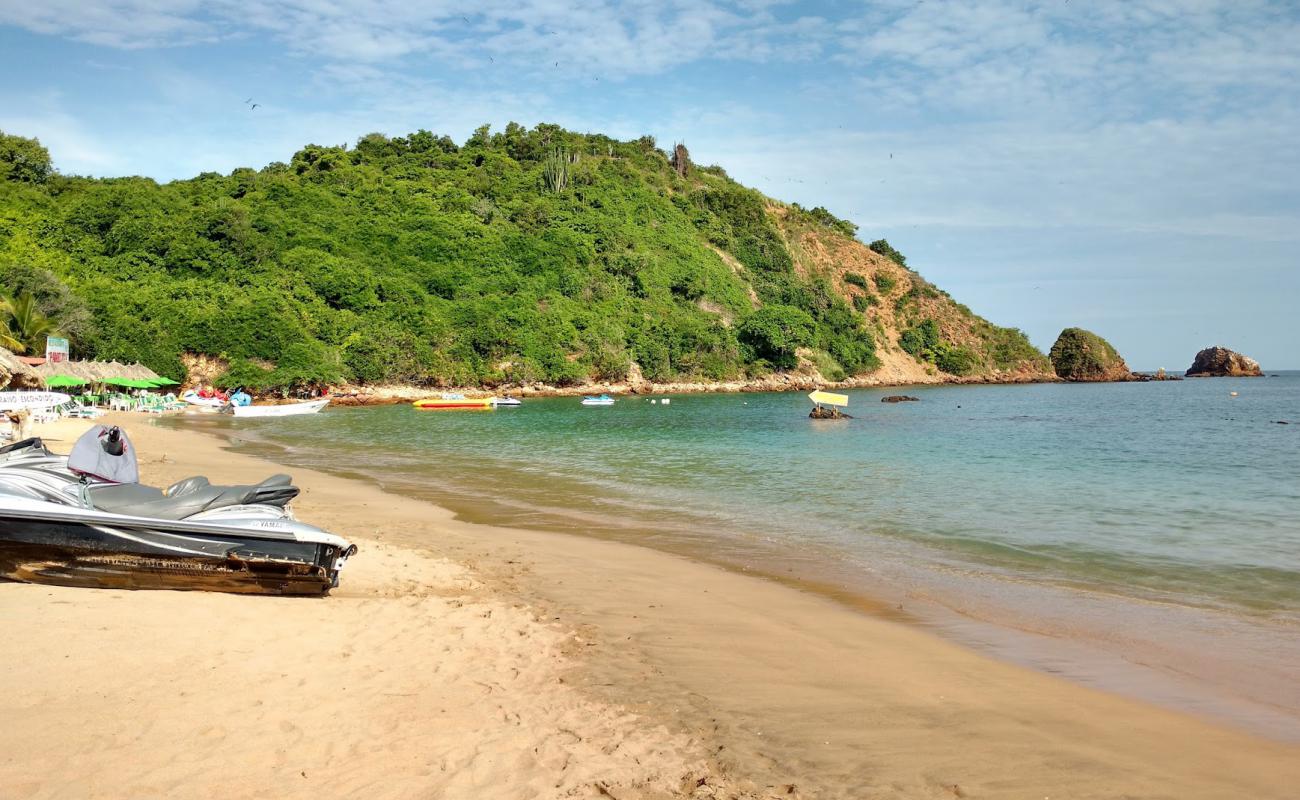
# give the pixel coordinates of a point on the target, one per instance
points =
(460, 660)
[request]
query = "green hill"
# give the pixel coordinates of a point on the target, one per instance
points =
(517, 257)
(1080, 355)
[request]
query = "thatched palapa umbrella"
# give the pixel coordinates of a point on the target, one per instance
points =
(96, 371)
(14, 374)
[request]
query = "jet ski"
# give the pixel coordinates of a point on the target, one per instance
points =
(85, 520)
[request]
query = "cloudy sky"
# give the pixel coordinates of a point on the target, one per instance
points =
(1128, 166)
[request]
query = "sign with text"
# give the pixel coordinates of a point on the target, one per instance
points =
(56, 349)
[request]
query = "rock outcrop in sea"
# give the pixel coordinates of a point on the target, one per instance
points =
(1220, 362)
(1080, 355)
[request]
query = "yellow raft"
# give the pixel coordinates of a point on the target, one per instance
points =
(451, 402)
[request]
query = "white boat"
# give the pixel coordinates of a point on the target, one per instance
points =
(506, 401)
(32, 401)
(603, 400)
(287, 410)
(209, 405)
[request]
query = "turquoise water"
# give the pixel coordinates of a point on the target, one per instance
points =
(1174, 491)
(1109, 532)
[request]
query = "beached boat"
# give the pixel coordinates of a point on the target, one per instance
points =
(507, 401)
(65, 521)
(285, 410)
(603, 400)
(198, 402)
(453, 402)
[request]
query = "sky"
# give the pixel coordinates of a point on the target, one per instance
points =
(1128, 166)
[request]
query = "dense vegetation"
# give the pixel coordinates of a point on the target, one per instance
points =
(1080, 355)
(517, 256)
(924, 343)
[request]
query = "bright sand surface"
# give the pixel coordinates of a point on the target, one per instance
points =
(467, 661)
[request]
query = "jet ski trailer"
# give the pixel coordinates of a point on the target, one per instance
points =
(66, 523)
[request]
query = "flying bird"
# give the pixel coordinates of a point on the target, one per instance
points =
(254, 106)
(249, 100)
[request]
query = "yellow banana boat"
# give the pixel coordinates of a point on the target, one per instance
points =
(451, 402)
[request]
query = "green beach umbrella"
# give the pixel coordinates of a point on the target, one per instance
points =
(64, 380)
(164, 382)
(127, 382)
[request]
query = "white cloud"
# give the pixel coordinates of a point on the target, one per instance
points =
(125, 24)
(639, 37)
(72, 147)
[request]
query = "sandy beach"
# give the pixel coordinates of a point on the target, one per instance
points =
(470, 661)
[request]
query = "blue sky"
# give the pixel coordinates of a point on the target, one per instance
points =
(1130, 167)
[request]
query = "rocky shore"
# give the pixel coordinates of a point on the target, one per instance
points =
(779, 382)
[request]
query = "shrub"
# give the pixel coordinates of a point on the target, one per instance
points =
(883, 247)
(885, 282)
(1008, 347)
(956, 360)
(829, 368)
(856, 279)
(921, 340)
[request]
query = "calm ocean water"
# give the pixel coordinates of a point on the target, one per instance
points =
(1172, 496)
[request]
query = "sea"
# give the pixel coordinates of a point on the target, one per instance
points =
(1138, 537)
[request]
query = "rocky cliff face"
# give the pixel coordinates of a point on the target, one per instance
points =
(1080, 355)
(1213, 362)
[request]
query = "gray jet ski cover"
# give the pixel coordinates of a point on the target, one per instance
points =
(94, 455)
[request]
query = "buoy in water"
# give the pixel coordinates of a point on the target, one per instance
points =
(653, 401)
(1232, 394)
(666, 401)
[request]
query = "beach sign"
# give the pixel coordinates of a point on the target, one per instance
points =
(56, 349)
(829, 398)
(13, 401)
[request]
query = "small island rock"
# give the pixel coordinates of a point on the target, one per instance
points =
(900, 398)
(1080, 355)
(1217, 362)
(827, 412)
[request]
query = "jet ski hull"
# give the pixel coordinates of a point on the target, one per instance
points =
(109, 551)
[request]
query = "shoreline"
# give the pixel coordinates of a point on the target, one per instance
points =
(744, 682)
(1218, 663)
(387, 394)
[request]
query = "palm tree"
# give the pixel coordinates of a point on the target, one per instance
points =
(23, 326)
(7, 339)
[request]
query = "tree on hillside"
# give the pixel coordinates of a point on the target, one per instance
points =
(680, 159)
(7, 339)
(24, 323)
(53, 298)
(883, 247)
(24, 160)
(775, 332)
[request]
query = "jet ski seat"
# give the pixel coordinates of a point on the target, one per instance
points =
(34, 443)
(188, 497)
